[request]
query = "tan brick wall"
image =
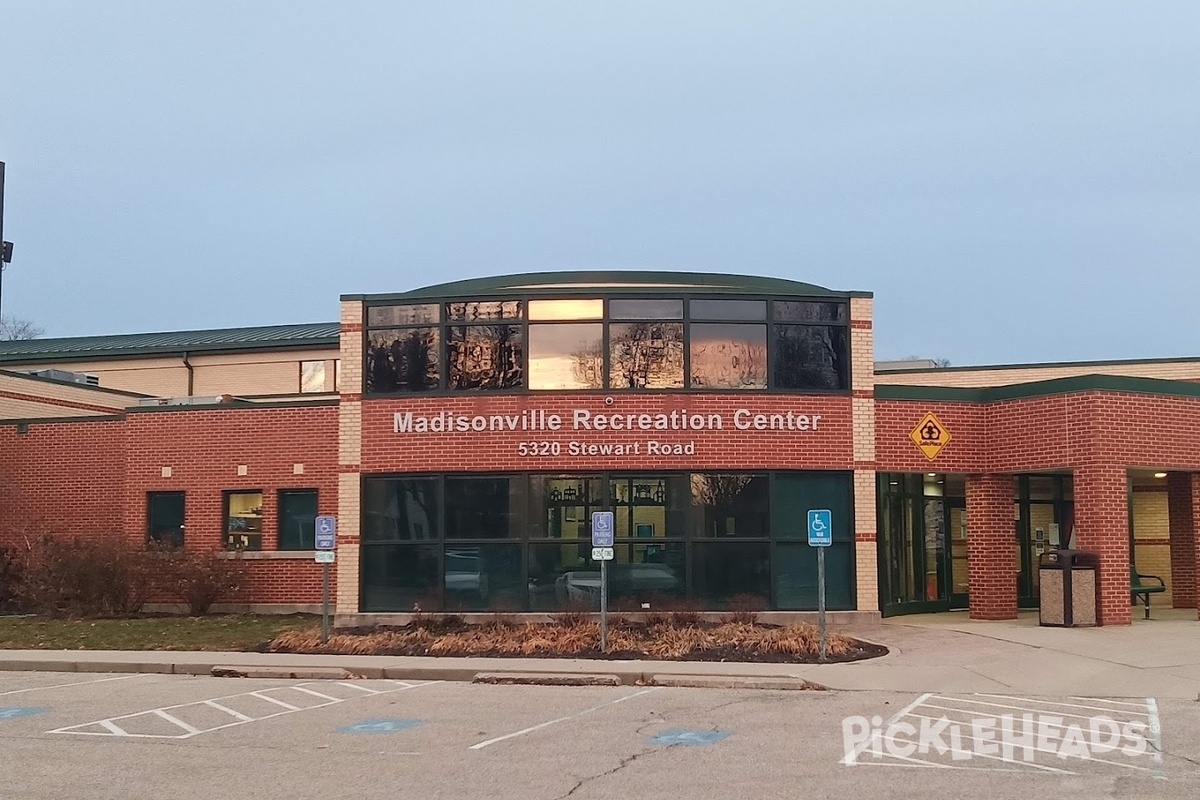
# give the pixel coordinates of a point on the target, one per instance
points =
(257, 373)
(347, 579)
(1151, 540)
(865, 527)
(970, 378)
(350, 434)
(158, 377)
(351, 347)
(12, 408)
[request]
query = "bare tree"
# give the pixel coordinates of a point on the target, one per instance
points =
(13, 330)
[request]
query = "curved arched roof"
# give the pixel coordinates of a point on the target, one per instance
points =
(612, 282)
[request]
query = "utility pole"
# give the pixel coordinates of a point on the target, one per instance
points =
(6, 248)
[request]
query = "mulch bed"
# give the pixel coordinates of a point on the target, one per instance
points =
(628, 640)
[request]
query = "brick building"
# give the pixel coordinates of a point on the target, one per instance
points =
(464, 434)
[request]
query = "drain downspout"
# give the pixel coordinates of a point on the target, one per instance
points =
(191, 385)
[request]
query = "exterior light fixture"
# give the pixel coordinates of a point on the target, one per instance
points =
(1160, 474)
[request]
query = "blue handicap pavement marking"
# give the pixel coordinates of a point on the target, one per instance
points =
(693, 738)
(382, 726)
(13, 713)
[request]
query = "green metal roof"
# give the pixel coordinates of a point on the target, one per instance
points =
(612, 282)
(1054, 386)
(76, 348)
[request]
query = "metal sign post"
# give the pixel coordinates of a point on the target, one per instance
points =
(602, 551)
(820, 536)
(326, 544)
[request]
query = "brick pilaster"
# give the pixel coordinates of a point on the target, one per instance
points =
(1102, 527)
(991, 547)
(1181, 515)
(350, 457)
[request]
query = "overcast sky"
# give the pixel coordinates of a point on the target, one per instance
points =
(1015, 181)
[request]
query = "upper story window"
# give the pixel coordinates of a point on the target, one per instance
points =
(620, 343)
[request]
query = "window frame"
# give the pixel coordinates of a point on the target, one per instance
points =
(606, 321)
(150, 539)
(226, 497)
(279, 495)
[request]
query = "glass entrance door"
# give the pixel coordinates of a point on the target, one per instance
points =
(913, 545)
(1044, 522)
(956, 553)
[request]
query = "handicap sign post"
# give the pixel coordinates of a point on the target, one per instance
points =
(820, 536)
(326, 543)
(602, 545)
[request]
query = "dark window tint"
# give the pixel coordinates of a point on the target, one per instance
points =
(379, 316)
(399, 509)
(564, 576)
(729, 309)
(399, 577)
(484, 357)
(800, 311)
(485, 508)
(402, 360)
(796, 576)
(732, 574)
(487, 577)
(297, 520)
(164, 517)
(728, 506)
(810, 357)
(645, 309)
(646, 355)
(729, 356)
(484, 310)
(795, 494)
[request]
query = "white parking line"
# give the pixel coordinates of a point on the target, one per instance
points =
(76, 683)
(585, 712)
(109, 726)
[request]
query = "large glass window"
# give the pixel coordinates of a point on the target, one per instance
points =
(645, 309)
(484, 357)
(810, 357)
(400, 578)
(726, 574)
(297, 519)
(485, 577)
(729, 309)
(566, 356)
(804, 311)
(243, 520)
(482, 310)
(565, 309)
(646, 355)
(729, 356)
(312, 376)
(650, 507)
(726, 506)
(165, 518)
(564, 505)
(400, 510)
(485, 508)
(403, 360)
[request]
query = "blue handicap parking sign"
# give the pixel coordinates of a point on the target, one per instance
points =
(820, 528)
(326, 533)
(602, 529)
(13, 713)
(689, 738)
(382, 726)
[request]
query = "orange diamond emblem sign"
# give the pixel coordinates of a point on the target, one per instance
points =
(931, 436)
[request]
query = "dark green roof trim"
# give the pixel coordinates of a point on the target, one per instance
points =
(592, 282)
(224, 340)
(49, 420)
(1055, 386)
(235, 405)
(1044, 365)
(26, 376)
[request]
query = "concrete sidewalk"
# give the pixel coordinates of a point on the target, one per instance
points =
(944, 653)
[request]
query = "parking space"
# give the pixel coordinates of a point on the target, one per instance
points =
(199, 737)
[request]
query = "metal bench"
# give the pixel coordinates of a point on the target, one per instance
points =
(1144, 590)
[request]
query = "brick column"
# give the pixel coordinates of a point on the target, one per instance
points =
(1181, 515)
(862, 370)
(991, 547)
(349, 457)
(1102, 527)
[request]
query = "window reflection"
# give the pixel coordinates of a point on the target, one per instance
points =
(484, 357)
(402, 315)
(567, 356)
(645, 309)
(729, 309)
(484, 310)
(646, 355)
(566, 309)
(727, 506)
(810, 357)
(729, 356)
(402, 360)
(402, 509)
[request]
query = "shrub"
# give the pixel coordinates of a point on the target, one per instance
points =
(745, 608)
(10, 579)
(86, 577)
(200, 579)
(574, 612)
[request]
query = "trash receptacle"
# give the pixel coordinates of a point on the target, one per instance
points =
(1067, 585)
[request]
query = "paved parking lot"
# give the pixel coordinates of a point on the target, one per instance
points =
(134, 736)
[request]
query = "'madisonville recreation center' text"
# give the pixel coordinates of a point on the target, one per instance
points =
(743, 419)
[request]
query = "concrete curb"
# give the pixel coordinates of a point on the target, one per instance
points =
(737, 682)
(546, 679)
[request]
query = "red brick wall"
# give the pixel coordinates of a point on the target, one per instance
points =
(1102, 526)
(63, 478)
(990, 549)
(830, 446)
(1182, 516)
(283, 581)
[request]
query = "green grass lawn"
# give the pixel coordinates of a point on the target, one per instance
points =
(216, 632)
